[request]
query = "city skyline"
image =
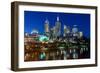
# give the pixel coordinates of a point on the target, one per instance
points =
(36, 20)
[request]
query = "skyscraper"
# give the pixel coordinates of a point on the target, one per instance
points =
(80, 34)
(66, 30)
(46, 26)
(58, 27)
(75, 30)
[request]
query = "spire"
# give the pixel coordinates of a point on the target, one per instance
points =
(46, 21)
(57, 18)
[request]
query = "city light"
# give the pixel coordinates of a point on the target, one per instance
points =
(55, 45)
(43, 38)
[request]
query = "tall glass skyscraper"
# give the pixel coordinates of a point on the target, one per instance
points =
(75, 30)
(46, 27)
(58, 27)
(66, 30)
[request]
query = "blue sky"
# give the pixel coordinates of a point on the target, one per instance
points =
(35, 20)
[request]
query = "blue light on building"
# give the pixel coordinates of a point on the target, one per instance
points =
(43, 38)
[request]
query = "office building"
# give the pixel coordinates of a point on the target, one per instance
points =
(58, 27)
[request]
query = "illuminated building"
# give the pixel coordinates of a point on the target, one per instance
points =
(46, 25)
(43, 38)
(66, 31)
(75, 31)
(54, 33)
(51, 45)
(34, 32)
(58, 27)
(80, 34)
(34, 36)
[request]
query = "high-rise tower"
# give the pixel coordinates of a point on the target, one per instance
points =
(58, 27)
(66, 30)
(46, 27)
(75, 31)
(80, 34)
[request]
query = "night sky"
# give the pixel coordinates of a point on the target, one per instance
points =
(36, 20)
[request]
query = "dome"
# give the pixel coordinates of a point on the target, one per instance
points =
(34, 32)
